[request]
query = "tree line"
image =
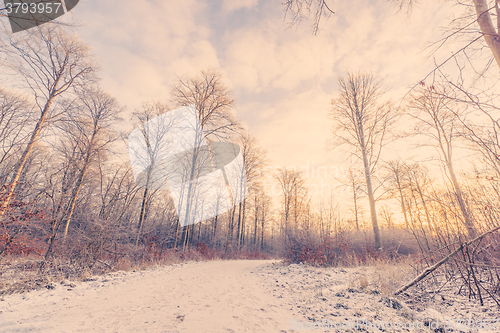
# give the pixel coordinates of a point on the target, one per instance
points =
(67, 184)
(454, 107)
(69, 192)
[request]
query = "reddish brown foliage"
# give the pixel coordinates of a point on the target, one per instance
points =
(22, 228)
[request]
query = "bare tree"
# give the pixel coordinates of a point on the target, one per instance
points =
(116, 190)
(354, 184)
(89, 125)
(398, 183)
(437, 116)
(419, 182)
(15, 114)
(50, 61)
(361, 123)
(478, 119)
(213, 103)
(254, 160)
(387, 216)
(150, 146)
(256, 197)
(295, 200)
(86, 126)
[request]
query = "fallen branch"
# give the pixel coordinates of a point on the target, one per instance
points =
(432, 268)
(105, 263)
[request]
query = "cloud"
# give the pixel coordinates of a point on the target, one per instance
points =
(283, 79)
(143, 49)
(269, 57)
(233, 5)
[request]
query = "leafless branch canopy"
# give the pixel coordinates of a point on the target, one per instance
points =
(360, 119)
(301, 9)
(212, 101)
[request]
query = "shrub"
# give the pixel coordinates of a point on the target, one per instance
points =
(346, 248)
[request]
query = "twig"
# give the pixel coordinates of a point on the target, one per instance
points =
(102, 262)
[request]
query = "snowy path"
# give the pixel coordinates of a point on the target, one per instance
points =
(215, 296)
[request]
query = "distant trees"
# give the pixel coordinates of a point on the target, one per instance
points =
(294, 202)
(150, 146)
(437, 118)
(397, 183)
(212, 102)
(262, 209)
(254, 159)
(326, 217)
(93, 203)
(362, 122)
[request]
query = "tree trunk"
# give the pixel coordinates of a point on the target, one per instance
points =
(187, 231)
(142, 214)
(74, 196)
(426, 209)
(355, 198)
(238, 228)
(242, 236)
(214, 234)
(262, 231)
(229, 236)
(256, 219)
(25, 155)
(403, 205)
(487, 28)
(176, 234)
(192, 174)
(461, 202)
(369, 187)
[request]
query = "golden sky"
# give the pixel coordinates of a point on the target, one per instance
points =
(282, 78)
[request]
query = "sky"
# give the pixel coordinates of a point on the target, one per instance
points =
(282, 78)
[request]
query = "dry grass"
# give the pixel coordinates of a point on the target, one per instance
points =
(19, 274)
(349, 249)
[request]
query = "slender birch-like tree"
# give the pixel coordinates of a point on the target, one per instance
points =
(438, 119)
(213, 103)
(86, 127)
(361, 122)
(50, 61)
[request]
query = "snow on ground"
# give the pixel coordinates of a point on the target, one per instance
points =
(236, 296)
(360, 299)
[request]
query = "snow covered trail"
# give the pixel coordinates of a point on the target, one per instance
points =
(242, 296)
(213, 296)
